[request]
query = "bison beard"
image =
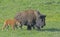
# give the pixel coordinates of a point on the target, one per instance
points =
(28, 18)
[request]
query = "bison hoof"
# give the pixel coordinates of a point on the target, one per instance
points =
(41, 26)
(29, 28)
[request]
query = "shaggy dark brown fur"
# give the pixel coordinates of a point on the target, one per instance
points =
(29, 18)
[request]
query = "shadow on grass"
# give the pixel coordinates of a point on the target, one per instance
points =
(52, 29)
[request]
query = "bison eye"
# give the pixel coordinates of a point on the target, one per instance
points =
(42, 19)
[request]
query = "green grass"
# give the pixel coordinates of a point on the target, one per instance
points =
(8, 9)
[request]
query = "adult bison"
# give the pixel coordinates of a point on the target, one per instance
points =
(31, 18)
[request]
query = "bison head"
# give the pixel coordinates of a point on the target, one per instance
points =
(40, 22)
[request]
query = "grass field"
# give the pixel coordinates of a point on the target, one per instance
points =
(8, 9)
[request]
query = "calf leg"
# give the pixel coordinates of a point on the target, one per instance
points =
(16, 26)
(4, 26)
(20, 26)
(13, 27)
(7, 27)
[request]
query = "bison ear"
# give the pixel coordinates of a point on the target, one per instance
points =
(42, 16)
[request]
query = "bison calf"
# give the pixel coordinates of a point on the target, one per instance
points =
(12, 22)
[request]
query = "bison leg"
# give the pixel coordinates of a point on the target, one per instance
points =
(41, 26)
(33, 26)
(28, 27)
(38, 28)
